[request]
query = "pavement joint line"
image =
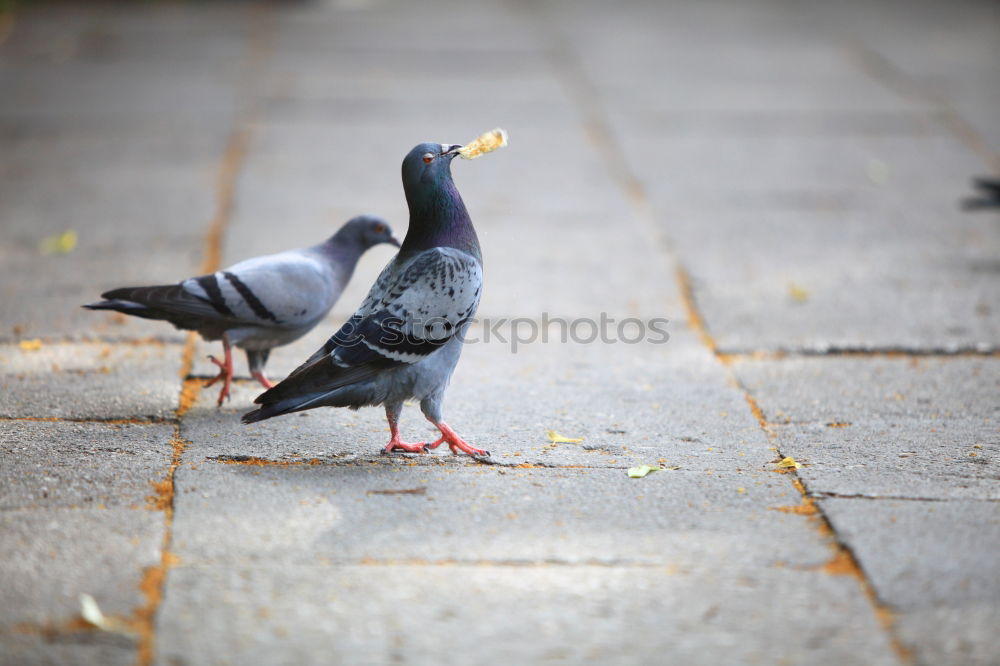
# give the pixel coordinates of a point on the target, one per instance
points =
(59, 419)
(599, 130)
(882, 70)
(153, 582)
(595, 126)
(820, 495)
(746, 356)
(843, 561)
(513, 563)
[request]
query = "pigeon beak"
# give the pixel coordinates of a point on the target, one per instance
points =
(450, 150)
(394, 241)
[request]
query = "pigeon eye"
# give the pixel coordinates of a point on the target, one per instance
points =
(380, 228)
(428, 158)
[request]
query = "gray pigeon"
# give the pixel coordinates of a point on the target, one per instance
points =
(260, 303)
(405, 340)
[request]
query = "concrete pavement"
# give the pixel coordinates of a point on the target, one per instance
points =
(778, 182)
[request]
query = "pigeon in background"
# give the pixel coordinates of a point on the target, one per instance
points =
(987, 196)
(260, 303)
(405, 339)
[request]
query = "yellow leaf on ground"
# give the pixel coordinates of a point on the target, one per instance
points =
(59, 244)
(798, 294)
(789, 463)
(556, 438)
(641, 471)
(30, 345)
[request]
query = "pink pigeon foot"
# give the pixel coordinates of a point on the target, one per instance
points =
(455, 443)
(264, 381)
(395, 443)
(225, 370)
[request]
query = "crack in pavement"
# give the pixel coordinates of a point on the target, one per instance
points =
(597, 127)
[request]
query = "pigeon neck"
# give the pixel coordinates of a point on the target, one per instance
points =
(438, 218)
(343, 250)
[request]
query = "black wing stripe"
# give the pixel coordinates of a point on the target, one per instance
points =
(258, 308)
(210, 284)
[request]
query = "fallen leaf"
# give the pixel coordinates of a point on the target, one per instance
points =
(30, 345)
(91, 612)
(798, 294)
(63, 243)
(641, 471)
(789, 463)
(556, 438)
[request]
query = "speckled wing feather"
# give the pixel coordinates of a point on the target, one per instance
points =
(409, 314)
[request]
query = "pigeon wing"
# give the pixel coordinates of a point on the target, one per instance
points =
(408, 315)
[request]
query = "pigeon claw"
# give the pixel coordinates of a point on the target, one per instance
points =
(400, 445)
(456, 443)
(225, 374)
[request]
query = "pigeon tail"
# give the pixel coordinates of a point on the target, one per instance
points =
(283, 407)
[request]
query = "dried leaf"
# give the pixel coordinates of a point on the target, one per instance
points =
(798, 294)
(59, 244)
(30, 345)
(91, 612)
(789, 463)
(641, 471)
(484, 143)
(556, 438)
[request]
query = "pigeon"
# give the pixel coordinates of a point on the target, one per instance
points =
(406, 337)
(987, 196)
(260, 303)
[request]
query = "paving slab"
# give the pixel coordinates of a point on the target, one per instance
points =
(649, 403)
(20, 648)
(80, 465)
(803, 280)
(846, 389)
(97, 381)
(578, 614)
(935, 564)
(53, 555)
(913, 458)
(107, 133)
(956, 66)
(884, 427)
(152, 236)
(304, 514)
(902, 428)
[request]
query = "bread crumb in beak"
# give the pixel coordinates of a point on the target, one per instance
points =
(484, 143)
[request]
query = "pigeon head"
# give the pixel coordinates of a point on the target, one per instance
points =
(363, 232)
(427, 168)
(438, 217)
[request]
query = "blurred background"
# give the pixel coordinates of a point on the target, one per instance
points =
(803, 161)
